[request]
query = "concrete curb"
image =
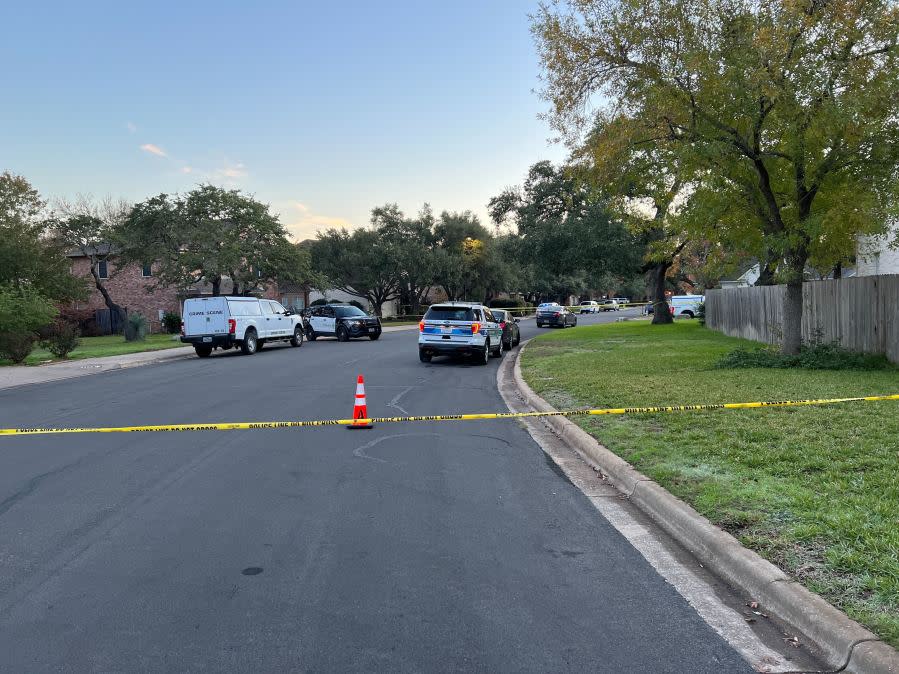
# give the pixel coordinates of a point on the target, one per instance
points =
(28, 375)
(844, 644)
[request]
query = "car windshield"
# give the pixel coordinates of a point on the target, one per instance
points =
(498, 315)
(348, 312)
(449, 314)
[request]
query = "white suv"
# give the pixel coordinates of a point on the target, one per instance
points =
(229, 322)
(459, 328)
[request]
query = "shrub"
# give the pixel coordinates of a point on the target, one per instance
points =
(135, 328)
(16, 345)
(700, 313)
(23, 310)
(358, 305)
(514, 305)
(815, 356)
(319, 302)
(62, 338)
(84, 319)
(171, 322)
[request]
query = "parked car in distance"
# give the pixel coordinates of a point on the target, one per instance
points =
(343, 321)
(230, 322)
(509, 324)
(608, 304)
(555, 315)
(589, 307)
(686, 306)
(459, 329)
(622, 301)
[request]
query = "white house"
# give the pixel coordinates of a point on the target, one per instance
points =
(747, 276)
(876, 256)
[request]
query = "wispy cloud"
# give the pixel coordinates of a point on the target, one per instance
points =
(232, 171)
(131, 126)
(187, 169)
(153, 149)
(303, 223)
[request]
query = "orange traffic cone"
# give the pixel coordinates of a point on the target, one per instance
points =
(360, 409)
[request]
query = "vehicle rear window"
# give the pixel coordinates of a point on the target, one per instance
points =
(244, 308)
(498, 315)
(449, 314)
(347, 312)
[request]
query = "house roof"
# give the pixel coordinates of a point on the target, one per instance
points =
(101, 249)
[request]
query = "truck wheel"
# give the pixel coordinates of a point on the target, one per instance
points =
(202, 350)
(500, 349)
(310, 335)
(259, 344)
(484, 358)
(424, 357)
(248, 347)
(342, 334)
(374, 336)
(297, 339)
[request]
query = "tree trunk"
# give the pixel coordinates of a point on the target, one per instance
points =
(792, 313)
(792, 306)
(116, 313)
(838, 271)
(216, 286)
(661, 314)
(766, 271)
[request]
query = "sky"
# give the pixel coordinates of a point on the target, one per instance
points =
(323, 110)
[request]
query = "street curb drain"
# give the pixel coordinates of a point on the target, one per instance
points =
(844, 644)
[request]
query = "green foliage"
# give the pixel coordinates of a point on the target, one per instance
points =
(319, 302)
(62, 338)
(700, 313)
(136, 327)
(514, 305)
(362, 263)
(23, 309)
(567, 240)
(28, 257)
(414, 250)
(810, 356)
(209, 234)
(171, 322)
(783, 116)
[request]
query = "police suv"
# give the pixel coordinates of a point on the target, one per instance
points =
(231, 322)
(459, 328)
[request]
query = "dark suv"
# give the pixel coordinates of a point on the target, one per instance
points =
(343, 321)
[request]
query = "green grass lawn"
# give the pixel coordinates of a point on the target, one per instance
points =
(813, 489)
(109, 345)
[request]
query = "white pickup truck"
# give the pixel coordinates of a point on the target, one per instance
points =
(686, 306)
(230, 322)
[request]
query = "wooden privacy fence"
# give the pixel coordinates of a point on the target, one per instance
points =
(861, 313)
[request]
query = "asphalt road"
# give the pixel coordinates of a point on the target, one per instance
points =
(425, 547)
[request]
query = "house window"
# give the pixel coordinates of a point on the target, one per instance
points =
(146, 271)
(102, 269)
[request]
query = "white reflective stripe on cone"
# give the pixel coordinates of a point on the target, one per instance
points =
(360, 401)
(360, 389)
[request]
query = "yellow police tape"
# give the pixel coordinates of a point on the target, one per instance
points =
(242, 426)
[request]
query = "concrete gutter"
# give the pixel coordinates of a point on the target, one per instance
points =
(844, 644)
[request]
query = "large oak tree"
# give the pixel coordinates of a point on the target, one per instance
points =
(789, 109)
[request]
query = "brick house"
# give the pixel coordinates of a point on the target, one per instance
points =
(130, 287)
(133, 288)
